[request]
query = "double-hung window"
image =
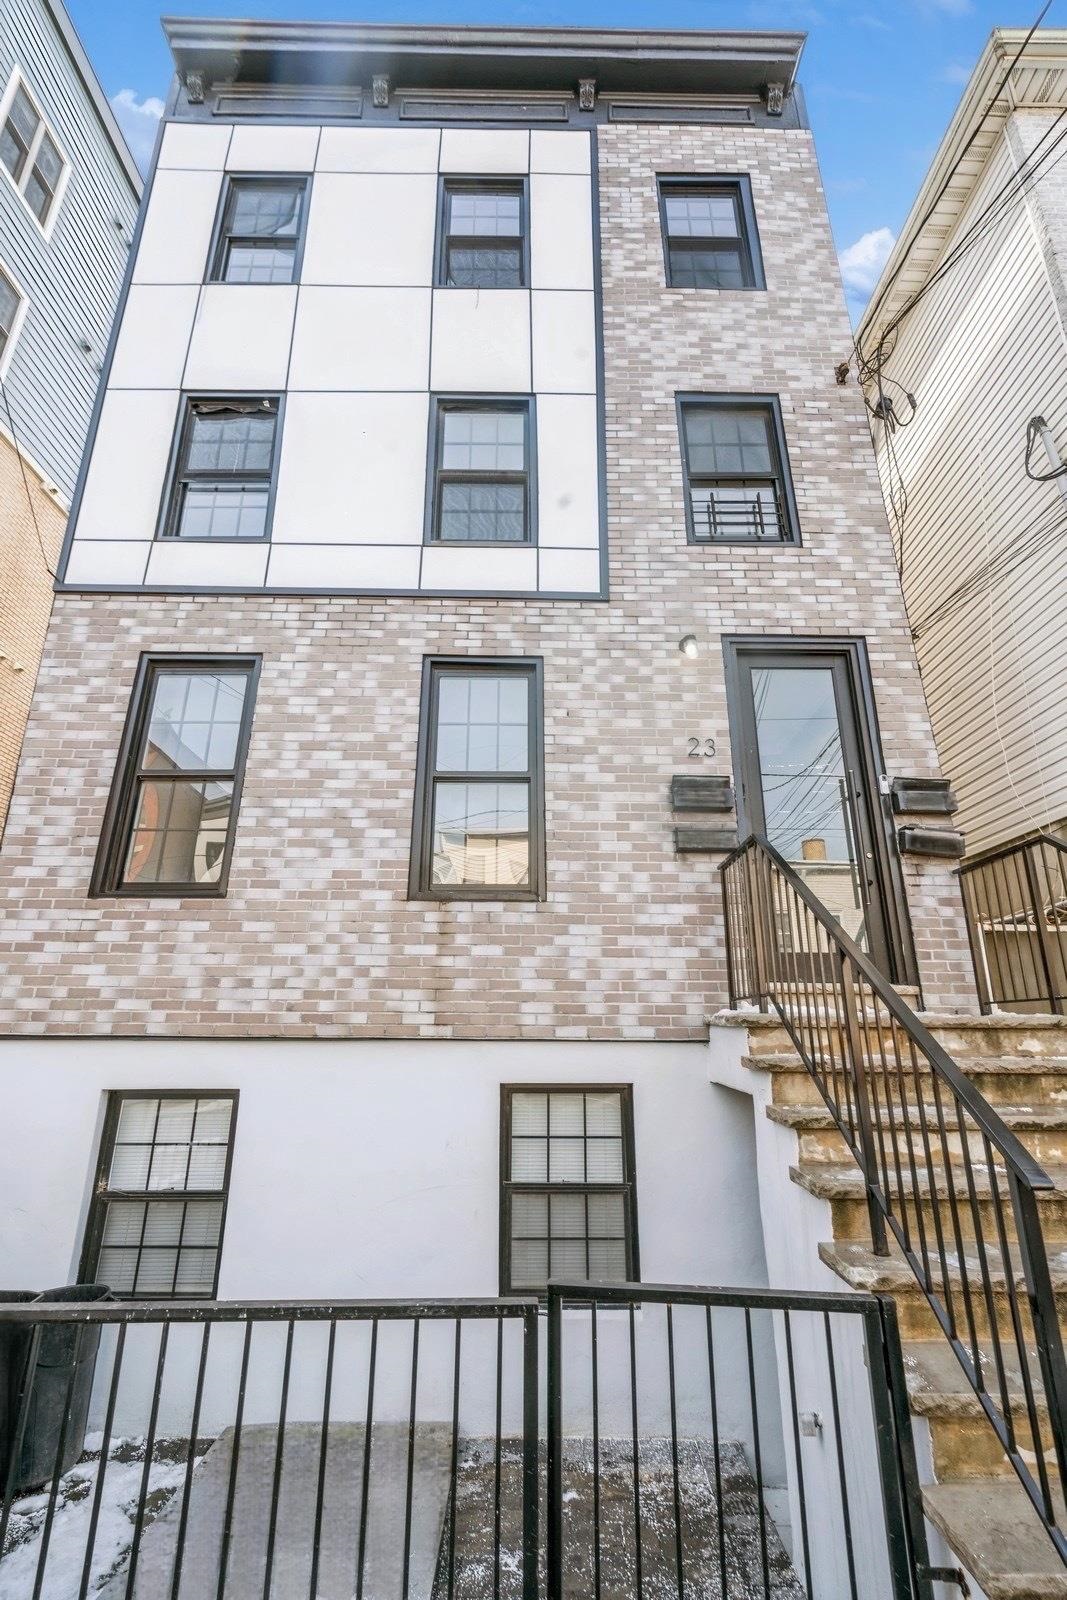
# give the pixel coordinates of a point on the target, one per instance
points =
(568, 1203)
(155, 1226)
(10, 306)
(30, 153)
(262, 229)
(737, 484)
(482, 482)
(479, 803)
(709, 234)
(482, 234)
(173, 809)
(224, 469)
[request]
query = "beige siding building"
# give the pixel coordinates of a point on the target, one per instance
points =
(982, 546)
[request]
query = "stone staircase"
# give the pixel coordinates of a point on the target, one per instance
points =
(1019, 1064)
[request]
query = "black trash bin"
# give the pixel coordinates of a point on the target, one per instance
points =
(61, 1348)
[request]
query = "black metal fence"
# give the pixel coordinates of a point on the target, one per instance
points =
(943, 1176)
(1015, 901)
(709, 1442)
(375, 1450)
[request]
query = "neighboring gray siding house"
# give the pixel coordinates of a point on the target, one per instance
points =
(69, 192)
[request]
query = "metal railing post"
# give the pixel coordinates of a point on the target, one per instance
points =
(554, 1451)
(530, 1445)
(1039, 928)
(857, 1060)
(909, 1556)
(1044, 1315)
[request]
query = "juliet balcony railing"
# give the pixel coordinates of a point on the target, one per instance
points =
(1015, 902)
(947, 1182)
(719, 514)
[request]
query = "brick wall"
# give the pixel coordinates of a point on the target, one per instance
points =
(25, 599)
(316, 936)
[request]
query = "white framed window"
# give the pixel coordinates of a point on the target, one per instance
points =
(30, 153)
(12, 310)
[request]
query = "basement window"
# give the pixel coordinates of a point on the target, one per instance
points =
(568, 1203)
(159, 1203)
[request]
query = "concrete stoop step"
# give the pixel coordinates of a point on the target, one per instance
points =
(1019, 1064)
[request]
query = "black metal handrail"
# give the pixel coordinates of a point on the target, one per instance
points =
(1015, 900)
(362, 1446)
(741, 1368)
(942, 1172)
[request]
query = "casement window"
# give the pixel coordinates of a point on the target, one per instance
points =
(482, 234)
(261, 235)
(30, 153)
(159, 1203)
(482, 482)
(709, 234)
(173, 808)
(737, 484)
(568, 1205)
(479, 798)
(10, 307)
(221, 484)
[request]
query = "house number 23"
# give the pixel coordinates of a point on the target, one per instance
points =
(699, 748)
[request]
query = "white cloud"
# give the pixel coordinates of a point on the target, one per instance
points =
(863, 261)
(955, 72)
(138, 120)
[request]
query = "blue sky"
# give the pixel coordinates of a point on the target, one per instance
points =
(882, 81)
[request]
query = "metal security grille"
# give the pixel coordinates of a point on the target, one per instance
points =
(568, 1192)
(484, 236)
(225, 467)
(156, 1223)
(705, 235)
(261, 229)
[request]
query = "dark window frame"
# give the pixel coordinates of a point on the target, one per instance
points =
(220, 238)
(440, 405)
(771, 406)
(420, 873)
(101, 1195)
(739, 186)
(628, 1185)
(167, 519)
(503, 182)
(107, 882)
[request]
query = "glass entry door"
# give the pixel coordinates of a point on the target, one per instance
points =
(804, 783)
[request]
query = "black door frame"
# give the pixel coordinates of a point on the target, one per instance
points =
(853, 651)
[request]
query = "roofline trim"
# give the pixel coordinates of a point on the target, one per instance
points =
(101, 104)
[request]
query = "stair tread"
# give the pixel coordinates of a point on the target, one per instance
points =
(818, 1119)
(938, 1385)
(1008, 1021)
(861, 1269)
(832, 1180)
(992, 1527)
(1018, 1066)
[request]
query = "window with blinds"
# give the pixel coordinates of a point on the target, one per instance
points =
(568, 1206)
(155, 1227)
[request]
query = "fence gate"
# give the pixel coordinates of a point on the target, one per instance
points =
(726, 1445)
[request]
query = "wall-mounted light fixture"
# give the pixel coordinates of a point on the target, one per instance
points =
(688, 645)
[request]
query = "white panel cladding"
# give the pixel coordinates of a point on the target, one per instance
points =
(352, 469)
(371, 228)
(564, 342)
(241, 337)
(484, 568)
(568, 502)
(218, 563)
(554, 151)
(378, 150)
(195, 144)
(177, 227)
(124, 483)
(352, 566)
(568, 571)
(255, 149)
(561, 232)
(481, 340)
(100, 561)
(327, 1151)
(153, 339)
(358, 346)
(479, 150)
(359, 339)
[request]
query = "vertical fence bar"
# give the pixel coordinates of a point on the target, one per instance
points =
(279, 1454)
(368, 1439)
(190, 1463)
(554, 1529)
(105, 1451)
(531, 1476)
(898, 1543)
(324, 1448)
(29, 1372)
(61, 1446)
(1043, 1314)
(1037, 900)
(235, 1453)
(149, 1451)
(858, 1072)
